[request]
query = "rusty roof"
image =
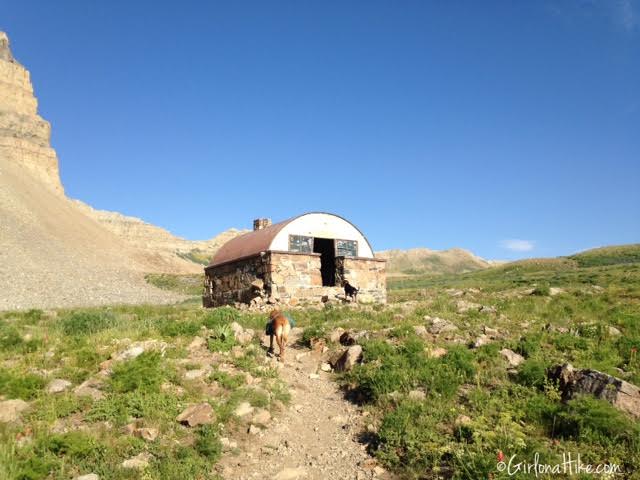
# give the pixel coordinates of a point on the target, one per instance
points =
(253, 243)
(249, 244)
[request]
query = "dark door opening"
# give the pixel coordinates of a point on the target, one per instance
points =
(326, 248)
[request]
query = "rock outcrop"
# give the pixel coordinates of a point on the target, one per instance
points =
(57, 252)
(620, 394)
(191, 254)
(24, 135)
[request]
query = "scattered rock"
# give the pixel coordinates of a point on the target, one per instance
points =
(243, 409)
(553, 291)
(420, 330)
(317, 345)
(258, 284)
(261, 417)
(195, 374)
(138, 348)
(242, 336)
(197, 343)
(417, 395)
(488, 309)
(58, 385)
(438, 352)
(134, 350)
(10, 410)
(335, 335)
(349, 358)
(378, 471)
(481, 341)
(314, 376)
(90, 388)
(614, 332)
(462, 420)
(198, 414)
(491, 332)
(88, 476)
(512, 357)
(620, 394)
(291, 474)
(463, 306)
(347, 339)
(325, 367)
(228, 444)
(440, 325)
(139, 462)
(148, 434)
(253, 430)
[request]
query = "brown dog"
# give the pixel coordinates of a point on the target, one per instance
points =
(279, 328)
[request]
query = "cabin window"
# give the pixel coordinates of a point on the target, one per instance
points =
(346, 248)
(300, 244)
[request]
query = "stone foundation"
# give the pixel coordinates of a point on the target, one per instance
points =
(291, 278)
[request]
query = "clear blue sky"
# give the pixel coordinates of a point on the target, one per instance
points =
(508, 128)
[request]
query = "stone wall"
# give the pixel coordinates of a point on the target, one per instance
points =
(24, 135)
(367, 274)
(232, 282)
(291, 278)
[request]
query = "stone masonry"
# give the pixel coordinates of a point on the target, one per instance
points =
(290, 278)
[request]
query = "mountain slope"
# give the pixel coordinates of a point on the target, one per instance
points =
(53, 255)
(52, 252)
(425, 261)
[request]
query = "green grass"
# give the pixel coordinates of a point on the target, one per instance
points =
(519, 412)
(516, 411)
(184, 284)
(196, 256)
(150, 390)
(596, 257)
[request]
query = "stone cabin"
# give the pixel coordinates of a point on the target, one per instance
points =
(305, 258)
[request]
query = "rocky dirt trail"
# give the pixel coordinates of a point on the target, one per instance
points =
(315, 437)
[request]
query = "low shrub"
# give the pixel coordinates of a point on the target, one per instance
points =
(222, 338)
(23, 386)
(145, 372)
(208, 444)
(86, 322)
(532, 373)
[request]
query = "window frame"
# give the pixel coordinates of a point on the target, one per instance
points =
(301, 236)
(337, 240)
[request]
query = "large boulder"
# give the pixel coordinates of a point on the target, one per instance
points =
(139, 462)
(463, 306)
(242, 335)
(351, 338)
(90, 388)
(58, 385)
(440, 325)
(10, 410)
(512, 357)
(622, 395)
(348, 359)
(198, 414)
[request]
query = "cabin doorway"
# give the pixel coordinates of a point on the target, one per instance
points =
(327, 250)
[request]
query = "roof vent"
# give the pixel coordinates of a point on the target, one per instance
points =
(260, 223)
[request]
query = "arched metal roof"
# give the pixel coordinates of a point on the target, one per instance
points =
(253, 243)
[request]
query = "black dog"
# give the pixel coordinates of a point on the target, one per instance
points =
(351, 291)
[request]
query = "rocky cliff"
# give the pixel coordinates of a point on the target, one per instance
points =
(24, 135)
(60, 252)
(152, 238)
